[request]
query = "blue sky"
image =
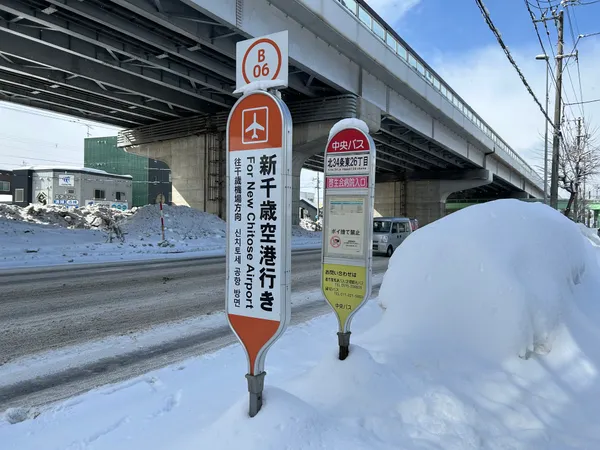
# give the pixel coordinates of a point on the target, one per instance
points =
(432, 26)
(458, 44)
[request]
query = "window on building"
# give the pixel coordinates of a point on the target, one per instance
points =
(99, 194)
(4, 186)
(19, 195)
(120, 196)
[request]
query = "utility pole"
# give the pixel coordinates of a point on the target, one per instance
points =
(557, 110)
(546, 59)
(318, 196)
(577, 169)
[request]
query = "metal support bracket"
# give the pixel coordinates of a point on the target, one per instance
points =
(256, 385)
(344, 342)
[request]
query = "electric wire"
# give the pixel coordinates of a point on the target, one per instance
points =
(496, 33)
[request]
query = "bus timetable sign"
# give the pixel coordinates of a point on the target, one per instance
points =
(259, 133)
(347, 229)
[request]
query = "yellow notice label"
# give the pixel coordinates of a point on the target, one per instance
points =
(344, 288)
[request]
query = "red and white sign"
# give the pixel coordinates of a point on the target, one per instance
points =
(348, 153)
(348, 140)
(351, 182)
(263, 59)
(258, 223)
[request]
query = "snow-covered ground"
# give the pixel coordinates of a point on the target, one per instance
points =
(485, 336)
(40, 235)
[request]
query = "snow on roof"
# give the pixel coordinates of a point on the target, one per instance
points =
(308, 202)
(71, 169)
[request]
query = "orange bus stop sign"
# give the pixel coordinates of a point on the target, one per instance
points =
(259, 133)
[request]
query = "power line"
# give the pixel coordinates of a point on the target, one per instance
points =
(577, 61)
(586, 101)
(53, 116)
(563, 94)
(39, 143)
(492, 27)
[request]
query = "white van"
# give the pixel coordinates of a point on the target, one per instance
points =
(389, 233)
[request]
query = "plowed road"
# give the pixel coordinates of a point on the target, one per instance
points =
(49, 309)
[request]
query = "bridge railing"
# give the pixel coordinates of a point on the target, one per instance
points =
(366, 16)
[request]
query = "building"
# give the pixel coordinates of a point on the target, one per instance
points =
(70, 186)
(151, 178)
(308, 210)
(307, 195)
(5, 186)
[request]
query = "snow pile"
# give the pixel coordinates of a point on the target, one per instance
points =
(310, 225)
(181, 222)
(42, 235)
(348, 123)
(91, 218)
(498, 282)
(436, 367)
(590, 233)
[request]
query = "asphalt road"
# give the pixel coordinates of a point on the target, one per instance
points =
(45, 309)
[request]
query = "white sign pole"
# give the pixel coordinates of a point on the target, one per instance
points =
(259, 205)
(347, 255)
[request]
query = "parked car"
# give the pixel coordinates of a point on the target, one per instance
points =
(390, 232)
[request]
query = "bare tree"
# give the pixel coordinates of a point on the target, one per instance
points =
(579, 161)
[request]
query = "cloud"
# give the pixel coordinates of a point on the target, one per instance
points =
(392, 10)
(485, 79)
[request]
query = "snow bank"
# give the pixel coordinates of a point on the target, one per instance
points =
(590, 233)
(181, 222)
(91, 218)
(494, 278)
(348, 123)
(43, 235)
(436, 368)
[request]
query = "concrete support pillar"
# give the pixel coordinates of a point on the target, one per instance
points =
(390, 199)
(309, 139)
(298, 159)
(197, 166)
(426, 199)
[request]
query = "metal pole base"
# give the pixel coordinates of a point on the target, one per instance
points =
(344, 343)
(256, 385)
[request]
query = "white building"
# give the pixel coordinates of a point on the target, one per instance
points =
(71, 187)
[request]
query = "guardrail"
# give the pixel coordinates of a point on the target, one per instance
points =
(366, 16)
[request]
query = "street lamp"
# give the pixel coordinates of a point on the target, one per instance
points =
(545, 58)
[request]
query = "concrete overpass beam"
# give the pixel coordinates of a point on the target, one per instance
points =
(426, 198)
(198, 170)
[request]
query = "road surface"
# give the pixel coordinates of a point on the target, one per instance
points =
(46, 309)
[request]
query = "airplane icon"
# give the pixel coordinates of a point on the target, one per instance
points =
(253, 127)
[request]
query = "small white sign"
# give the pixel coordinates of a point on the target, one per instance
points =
(263, 59)
(347, 164)
(66, 180)
(346, 233)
